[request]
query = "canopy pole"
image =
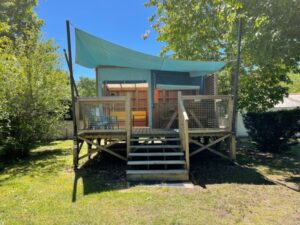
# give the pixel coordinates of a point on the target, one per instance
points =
(68, 62)
(70, 65)
(232, 139)
(235, 79)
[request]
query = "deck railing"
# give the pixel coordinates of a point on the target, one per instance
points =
(183, 129)
(202, 113)
(103, 113)
(209, 112)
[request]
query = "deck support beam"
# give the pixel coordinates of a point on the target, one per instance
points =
(89, 149)
(209, 149)
(232, 147)
(209, 145)
(92, 151)
(75, 153)
(102, 148)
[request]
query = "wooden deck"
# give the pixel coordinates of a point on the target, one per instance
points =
(207, 132)
(152, 153)
(149, 132)
(116, 133)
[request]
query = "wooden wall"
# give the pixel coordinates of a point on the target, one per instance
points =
(139, 101)
(210, 85)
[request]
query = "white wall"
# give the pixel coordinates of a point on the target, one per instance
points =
(65, 130)
(241, 130)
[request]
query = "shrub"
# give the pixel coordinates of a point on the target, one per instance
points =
(273, 131)
(33, 87)
(10, 149)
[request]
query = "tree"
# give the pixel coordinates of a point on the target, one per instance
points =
(86, 86)
(207, 30)
(33, 92)
(294, 87)
(33, 88)
(21, 20)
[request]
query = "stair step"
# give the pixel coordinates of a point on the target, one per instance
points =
(154, 146)
(155, 139)
(162, 175)
(155, 171)
(156, 154)
(156, 162)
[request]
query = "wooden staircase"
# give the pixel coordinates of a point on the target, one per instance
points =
(156, 158)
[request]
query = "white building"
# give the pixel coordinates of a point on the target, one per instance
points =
(288, 103)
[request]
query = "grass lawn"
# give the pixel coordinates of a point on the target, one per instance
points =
(45, 190)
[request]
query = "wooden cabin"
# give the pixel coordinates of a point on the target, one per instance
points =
(162, 111)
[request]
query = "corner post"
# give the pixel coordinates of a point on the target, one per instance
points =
(235, 81)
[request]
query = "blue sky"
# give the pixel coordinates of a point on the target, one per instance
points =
(119, 21)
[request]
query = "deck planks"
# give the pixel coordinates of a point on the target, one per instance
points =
(146, 131)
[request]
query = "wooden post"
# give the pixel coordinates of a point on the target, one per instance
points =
(232, 147)
(128, 122)
(75, 153)
(97, 82)
(70, 65)
(183, 130)
(99, 141)
(89, 149)
(187, 143)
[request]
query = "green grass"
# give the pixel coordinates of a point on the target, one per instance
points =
(44, 190)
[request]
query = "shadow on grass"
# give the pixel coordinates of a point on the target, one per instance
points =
(281, 162)
(294, 180)
(37, 164)
(282, 167)
(106, 173)
(207, 168)
(102, 173)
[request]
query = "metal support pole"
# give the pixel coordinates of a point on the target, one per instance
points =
(75, 138)
(235, 81)
(235, 78)
(68, 62)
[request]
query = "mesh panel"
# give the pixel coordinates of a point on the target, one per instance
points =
(101, 115)
(208, 113)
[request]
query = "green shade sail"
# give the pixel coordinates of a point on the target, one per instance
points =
(92, 51)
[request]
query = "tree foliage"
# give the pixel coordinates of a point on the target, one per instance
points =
(86, 86)
(294, 86)
(207, 30)
(33, 88)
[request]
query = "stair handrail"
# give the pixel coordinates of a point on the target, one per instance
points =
(183, 129)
